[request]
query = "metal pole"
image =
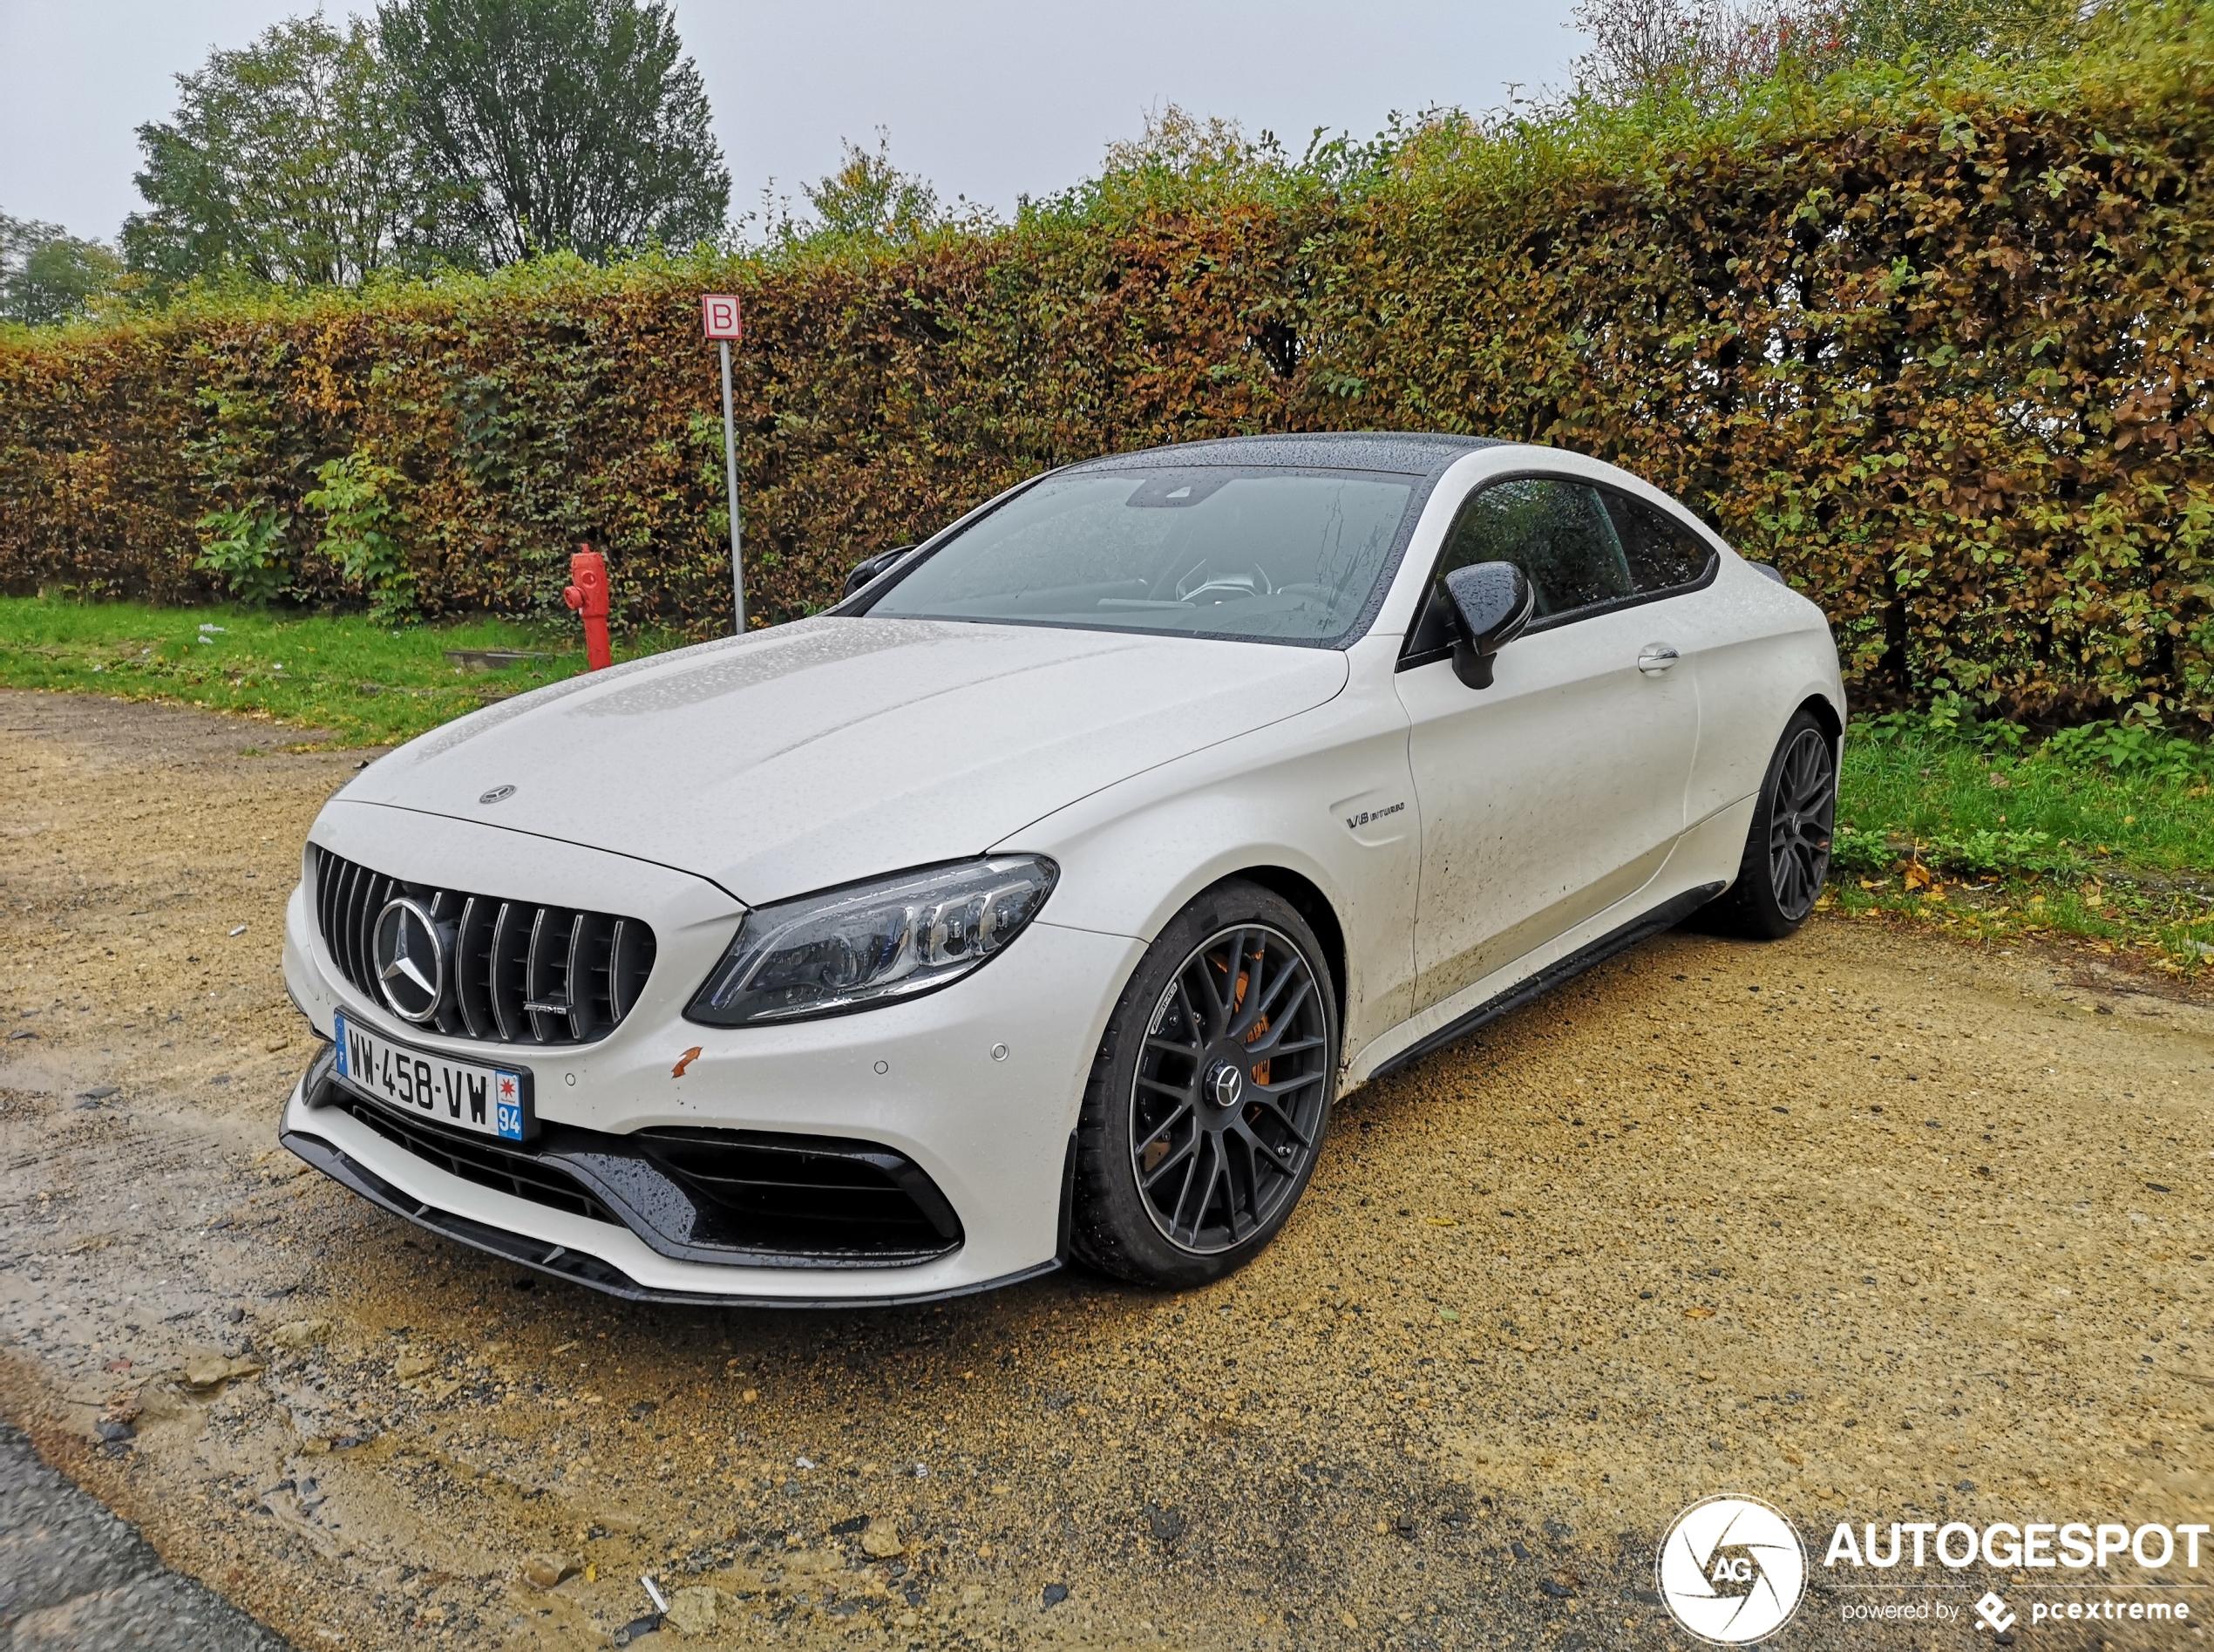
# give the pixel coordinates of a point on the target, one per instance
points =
(730, 469)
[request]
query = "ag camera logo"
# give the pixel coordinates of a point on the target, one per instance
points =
(1732, 1570)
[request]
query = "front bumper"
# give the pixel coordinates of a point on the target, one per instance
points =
(976, 1087)
(586, 1267)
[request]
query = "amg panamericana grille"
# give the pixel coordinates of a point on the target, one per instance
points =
(517, 972)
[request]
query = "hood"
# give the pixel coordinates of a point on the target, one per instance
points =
(835, 748)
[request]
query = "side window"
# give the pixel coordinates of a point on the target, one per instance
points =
(1557, 532)
(1662, 553)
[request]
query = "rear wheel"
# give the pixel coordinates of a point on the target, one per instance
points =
(1786, 853)
(1211, 1094)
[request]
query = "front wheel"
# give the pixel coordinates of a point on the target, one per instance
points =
(1212, 1091)
(1786, 853)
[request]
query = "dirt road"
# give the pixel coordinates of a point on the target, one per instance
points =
(1874, 1227)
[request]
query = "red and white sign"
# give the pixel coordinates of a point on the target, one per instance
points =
(720, 312)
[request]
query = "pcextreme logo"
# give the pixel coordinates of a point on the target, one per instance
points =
(1732, 1570)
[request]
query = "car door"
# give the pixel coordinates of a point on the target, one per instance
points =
(1560, 789)
(1733, 645)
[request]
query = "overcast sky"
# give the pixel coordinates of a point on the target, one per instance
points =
(990, 98)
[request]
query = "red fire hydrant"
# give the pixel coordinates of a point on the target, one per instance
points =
(587, 594)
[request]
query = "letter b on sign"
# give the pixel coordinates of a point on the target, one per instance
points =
(719, 311)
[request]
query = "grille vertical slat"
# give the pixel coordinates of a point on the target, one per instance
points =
(441, 915)
(350, 898)
(582, 970)
(473, 934)
(589, 950)
(630, 958)
(616, 1003)
(505, 987)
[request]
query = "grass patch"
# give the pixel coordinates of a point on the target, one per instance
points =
(367, 684)
(2104, 834)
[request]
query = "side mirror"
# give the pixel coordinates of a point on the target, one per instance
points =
(867, 569)
(1492, 603)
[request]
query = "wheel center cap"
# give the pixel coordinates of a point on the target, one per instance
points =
(1225, 1084)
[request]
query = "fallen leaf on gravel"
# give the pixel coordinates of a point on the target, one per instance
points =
(1441, 1221)
(1699, 1313)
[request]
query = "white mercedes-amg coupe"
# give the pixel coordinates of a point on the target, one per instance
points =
(1038, 900)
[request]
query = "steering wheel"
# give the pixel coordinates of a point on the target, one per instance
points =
(1255, 584)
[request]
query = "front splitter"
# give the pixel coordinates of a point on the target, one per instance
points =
(577, 1267)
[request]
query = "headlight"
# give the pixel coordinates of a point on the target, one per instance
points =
(871, 943)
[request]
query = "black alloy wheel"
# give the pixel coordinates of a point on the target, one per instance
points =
(1801, 820)
(1786, 852)
(1211, 1095)
(1228, 1094)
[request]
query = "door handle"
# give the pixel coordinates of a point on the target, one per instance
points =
(1656, 657)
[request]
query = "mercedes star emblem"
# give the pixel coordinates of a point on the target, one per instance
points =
(410, 960)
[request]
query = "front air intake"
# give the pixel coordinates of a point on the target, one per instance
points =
(517, 973)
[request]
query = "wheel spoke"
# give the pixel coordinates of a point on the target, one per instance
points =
(1234, 1207)
(1259, 1003)
(1218, 1176)
(1177, 1156)
(1283, 1018)
(1232, 966)
(1284, 1119)
(1184, 1189)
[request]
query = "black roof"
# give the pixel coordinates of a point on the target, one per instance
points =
(1411, 452)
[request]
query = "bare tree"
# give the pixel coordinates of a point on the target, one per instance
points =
(1705, 52)
(1708, 52)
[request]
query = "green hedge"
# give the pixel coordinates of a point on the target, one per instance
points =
(1939, 348)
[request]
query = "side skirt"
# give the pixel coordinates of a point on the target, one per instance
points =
(1666, 916)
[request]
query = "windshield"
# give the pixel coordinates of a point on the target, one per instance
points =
(1276, 555)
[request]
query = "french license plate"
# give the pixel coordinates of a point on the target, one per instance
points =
(488, 1101)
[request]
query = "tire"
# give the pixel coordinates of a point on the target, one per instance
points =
(1176, 1084)
(1786, 853)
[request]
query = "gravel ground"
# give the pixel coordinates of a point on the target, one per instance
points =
(1869, 1225)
